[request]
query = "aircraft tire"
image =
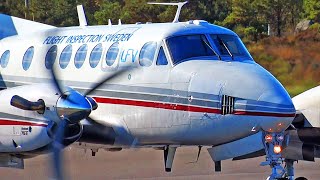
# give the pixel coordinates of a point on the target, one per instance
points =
(301, 178)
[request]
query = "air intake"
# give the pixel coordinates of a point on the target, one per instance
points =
(227, 105)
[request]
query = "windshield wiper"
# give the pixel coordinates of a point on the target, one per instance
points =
(226, 47)
(203, 38)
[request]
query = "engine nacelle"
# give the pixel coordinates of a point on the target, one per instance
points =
(302, 144)
(23, 130)
(45, 92)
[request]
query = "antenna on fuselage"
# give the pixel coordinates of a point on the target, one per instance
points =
(109, 22)
(179, 4)
(81, 16)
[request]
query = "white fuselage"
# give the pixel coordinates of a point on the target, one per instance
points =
(179, 104)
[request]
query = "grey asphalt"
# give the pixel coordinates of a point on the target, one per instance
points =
(148, 164)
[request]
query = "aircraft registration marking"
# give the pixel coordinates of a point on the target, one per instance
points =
(128, 54)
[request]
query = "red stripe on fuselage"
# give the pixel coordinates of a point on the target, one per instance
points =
(248, 113)
(178, 107)
(10, 122)
(183, 107)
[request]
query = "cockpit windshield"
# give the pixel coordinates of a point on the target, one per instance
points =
(211, 47)
(183, 48)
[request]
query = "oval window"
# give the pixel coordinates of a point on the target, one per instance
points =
(65, 56)
(5, 59)
(95, 55)
(80, 56)
(51, 57)
(112, 54)
(147, 54)
(27, 58)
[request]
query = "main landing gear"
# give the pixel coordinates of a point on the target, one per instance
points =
(282, 169)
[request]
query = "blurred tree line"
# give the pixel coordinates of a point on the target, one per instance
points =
(251, 19)
(293, 58)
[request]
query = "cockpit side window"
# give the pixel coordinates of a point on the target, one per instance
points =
(147, 54)
(225, 43)
(188, 47)
(162, 59)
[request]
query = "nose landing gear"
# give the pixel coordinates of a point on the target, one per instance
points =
(282, 169)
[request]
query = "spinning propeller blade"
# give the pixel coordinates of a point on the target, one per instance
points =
(106, 79)
(57, 146)
(72, 108)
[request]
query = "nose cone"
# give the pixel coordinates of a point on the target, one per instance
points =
(275, 105)
(257, 94)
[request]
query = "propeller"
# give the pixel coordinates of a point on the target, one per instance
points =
(72, 107)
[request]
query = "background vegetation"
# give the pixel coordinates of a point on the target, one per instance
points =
(292, 56)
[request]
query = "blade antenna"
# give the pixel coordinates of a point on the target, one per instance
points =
(81, 16)
(179, 4)
(199, 151)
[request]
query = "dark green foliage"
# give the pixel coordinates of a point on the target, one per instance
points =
(293, 58)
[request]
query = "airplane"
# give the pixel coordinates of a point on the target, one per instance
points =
(152, 85)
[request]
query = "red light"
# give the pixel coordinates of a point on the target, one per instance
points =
(268, 138)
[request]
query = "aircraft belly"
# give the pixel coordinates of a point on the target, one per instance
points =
(213, 129)
(148, 124)
(154, 125)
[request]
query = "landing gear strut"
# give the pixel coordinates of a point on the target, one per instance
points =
(273, 146)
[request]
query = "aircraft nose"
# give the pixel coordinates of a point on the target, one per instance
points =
(277, 106)
(247, 91)
(236, 97)
(268, 100)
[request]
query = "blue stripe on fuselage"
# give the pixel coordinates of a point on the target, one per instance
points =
(7, 27)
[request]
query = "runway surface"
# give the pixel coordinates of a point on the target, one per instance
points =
(148, 164)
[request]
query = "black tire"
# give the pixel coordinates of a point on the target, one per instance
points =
(301, 178)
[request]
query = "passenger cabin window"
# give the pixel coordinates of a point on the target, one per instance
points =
(229, 45)
(112, 54)
(5, 59)
(51, 57)
(147, 54)
(65, 56)
(183, 48)
(80, 56)
(161, 60)
(27, 58)
(95, 55)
